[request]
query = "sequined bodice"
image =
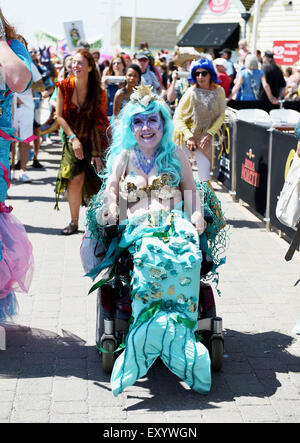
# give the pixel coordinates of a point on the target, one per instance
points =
(161, 188)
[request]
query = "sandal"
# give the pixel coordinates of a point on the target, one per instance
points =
(72, 228)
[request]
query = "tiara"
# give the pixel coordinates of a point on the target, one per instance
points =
(143, 95)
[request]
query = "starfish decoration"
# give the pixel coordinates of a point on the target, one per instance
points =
(143, 94)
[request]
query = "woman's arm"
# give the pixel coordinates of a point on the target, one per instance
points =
(237, 86)
(171, 93)
(16, 74)
(191, 197)
(298, 148)
(110, 209)
(117, 102)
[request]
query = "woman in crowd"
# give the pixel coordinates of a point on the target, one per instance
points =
(116, 68)
(199, 115)
(81, 112)
(249, 81)
(67, 68)
(145, 181)
(133, 77)
(16, 260)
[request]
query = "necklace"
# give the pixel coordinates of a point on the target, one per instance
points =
(142, 162)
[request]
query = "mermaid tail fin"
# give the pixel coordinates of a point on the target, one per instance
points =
(162, 336)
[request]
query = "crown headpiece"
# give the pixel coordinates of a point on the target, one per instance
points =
(143, 95)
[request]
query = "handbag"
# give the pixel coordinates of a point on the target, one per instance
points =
(288, 205)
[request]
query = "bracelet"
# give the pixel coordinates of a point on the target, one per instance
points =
(72, 137)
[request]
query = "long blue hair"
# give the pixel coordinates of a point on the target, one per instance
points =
(166, 162)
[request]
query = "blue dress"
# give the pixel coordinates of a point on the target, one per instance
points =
(247, 90)
(15, 250)
(6, 119)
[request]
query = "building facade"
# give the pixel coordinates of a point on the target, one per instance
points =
(277, 20)
(159, 33)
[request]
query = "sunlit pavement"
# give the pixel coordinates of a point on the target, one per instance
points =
(51, 371)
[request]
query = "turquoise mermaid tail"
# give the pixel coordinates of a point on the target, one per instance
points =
(165, 290)
(162, 336)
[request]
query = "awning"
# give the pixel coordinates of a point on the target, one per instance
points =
(212, 35)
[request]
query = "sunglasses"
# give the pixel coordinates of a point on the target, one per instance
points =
(201, 73)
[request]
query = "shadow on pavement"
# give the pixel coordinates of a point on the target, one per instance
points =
(250, 368)
(246, 224)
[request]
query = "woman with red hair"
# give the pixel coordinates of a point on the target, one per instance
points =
(81, 112)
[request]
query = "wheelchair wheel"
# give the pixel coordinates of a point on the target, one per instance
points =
(216, 353)
(108, 359)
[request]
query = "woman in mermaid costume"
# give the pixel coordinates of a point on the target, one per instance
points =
(147, 182)
(16, 261)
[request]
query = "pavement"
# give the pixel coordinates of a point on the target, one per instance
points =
(51, 371)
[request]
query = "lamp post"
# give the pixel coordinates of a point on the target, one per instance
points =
(255, 24)
(245, 16)
(133, 27)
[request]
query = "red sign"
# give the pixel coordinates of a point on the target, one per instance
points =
(286, 52)
(218, 6)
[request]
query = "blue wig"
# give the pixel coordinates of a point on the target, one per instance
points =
(123, 138)
(203, 63)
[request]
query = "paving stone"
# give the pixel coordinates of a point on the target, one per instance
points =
(52, 373)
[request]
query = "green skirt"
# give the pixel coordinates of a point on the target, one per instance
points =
(70, 166)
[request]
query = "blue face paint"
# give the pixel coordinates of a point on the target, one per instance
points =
(151, 121)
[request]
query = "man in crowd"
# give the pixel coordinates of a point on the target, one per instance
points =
(148, 76)
(230, 69)
(49, 89)
(274, 78)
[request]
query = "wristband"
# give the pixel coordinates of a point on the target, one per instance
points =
(72, 137)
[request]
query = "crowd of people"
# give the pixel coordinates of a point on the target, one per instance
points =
(122, 122)
(252, 77)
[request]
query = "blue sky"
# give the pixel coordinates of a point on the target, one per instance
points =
(32, 16)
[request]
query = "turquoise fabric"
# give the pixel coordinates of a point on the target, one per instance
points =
(165, 290)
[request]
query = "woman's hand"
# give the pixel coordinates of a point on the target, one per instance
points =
(198, 221)
(77, 148)
(206, 142)
(98, 162)
(191, 144)
(110, 214)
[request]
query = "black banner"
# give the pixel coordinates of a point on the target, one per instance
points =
(222, 163)
(284, 148)
(252, 165)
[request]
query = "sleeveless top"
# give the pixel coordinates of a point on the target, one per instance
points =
(89, 129)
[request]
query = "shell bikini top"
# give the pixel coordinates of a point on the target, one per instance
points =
(161, 187)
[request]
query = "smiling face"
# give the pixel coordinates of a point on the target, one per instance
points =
(147, 130)
(80, 66)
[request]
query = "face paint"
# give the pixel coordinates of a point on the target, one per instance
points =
(147, 129)
(151, 121)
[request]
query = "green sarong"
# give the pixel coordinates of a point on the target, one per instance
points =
(70, 166)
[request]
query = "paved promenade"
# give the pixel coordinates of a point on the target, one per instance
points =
(51, 371)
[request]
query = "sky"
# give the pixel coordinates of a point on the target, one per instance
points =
(32, 16)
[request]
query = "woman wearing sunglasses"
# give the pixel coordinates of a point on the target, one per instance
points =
(199, 115)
